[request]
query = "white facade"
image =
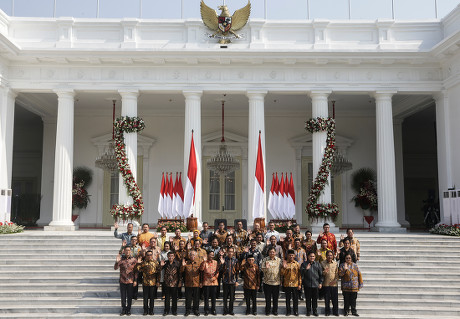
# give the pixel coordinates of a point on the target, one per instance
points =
(169, 73)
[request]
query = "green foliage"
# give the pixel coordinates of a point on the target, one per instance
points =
(362, 176)
(443, 229)
(83, 174)
(10, 228)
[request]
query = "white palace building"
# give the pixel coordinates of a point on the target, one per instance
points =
(395, 85)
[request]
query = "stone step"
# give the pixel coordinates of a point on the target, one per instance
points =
(137, 309)
(113, 292)
(115, 301)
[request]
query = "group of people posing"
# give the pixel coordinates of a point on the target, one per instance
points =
(265, 261)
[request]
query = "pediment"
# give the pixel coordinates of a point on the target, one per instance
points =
(230, 138)
(144, 143)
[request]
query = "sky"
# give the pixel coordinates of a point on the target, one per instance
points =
(270, 9)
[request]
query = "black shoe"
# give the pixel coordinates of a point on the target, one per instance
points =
(275, 313)
(328, 314)
(145, 313)
(336, 314)
(186, 313)
(288, 313)
(225, 312)
(196, 313)
(174, 313)
(315, 314)
(165, 313)
(355, 314)
(135, 298)
(214, 313)
(267, 313)
(122, 313)
(254, 313)
(296, 313)
(128, 313)
(151, 312)
(248, 312)
(308, 313)
(300, 298)
(206, 313)
(232, 313)
(345, 313)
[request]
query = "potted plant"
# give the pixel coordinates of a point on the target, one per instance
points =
(364, 184)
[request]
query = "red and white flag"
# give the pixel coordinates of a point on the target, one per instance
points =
(174, 197)
(167, 205)
(281, 198)
(270, 197)
(161, 200)
(180, 198)
(258, 210)
(190, 184)
(286, 197)
(276, 192)
(170, 196)
(291, 198)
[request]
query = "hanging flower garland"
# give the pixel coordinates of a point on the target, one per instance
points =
(127, 125)
(313, 209)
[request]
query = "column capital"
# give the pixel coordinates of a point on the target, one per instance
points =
(65, 93)
(256, 94)
(383, 94)
(128, 93)
(192, 93)
(319, 93)
(440, 95)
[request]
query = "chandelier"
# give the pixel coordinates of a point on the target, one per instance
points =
(223, 162)
(108, 160)
(340, 163)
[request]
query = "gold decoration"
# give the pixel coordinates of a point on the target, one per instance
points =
(225, 26)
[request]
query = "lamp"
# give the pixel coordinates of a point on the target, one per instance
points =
(223, 162)
(108, 160)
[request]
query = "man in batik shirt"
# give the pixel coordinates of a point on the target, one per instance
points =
(229, 269)
(354, 242)
(151, 271)
(175, 240)
(251, 277)
(330, 279)
(221, 233)
(329, 237)
(191, 269)
(210, 271)
(128, 275)
(292, 282)
(172, 282)
(241, 236)
(271, 267)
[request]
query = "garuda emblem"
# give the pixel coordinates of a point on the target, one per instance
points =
(224, 25)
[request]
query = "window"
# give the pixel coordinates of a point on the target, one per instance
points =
(217, 195)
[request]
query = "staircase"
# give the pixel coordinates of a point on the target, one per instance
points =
(47, 274)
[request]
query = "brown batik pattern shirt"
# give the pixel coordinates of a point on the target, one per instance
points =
(251, 276)
(192, 273)
(127, 268)
(172, 273)
(151, 271)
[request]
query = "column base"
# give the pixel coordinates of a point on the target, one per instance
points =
(60, 228)
(386, 229)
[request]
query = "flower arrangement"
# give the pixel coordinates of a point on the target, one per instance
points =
(82, 178)
(127, 125)
(364, 184)
(10, 228)
(171, 226)
(282, 227)
(313, 209)
(443, 229)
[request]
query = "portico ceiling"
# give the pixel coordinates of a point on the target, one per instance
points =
(172, 103)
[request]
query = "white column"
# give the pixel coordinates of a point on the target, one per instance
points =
(386, 172)
(256, 124)
(193, 122)
(128, 108)
(399, 162)
(48, 156)
(319, 108)
(443, 147)
(7, 100)
(63, 163)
